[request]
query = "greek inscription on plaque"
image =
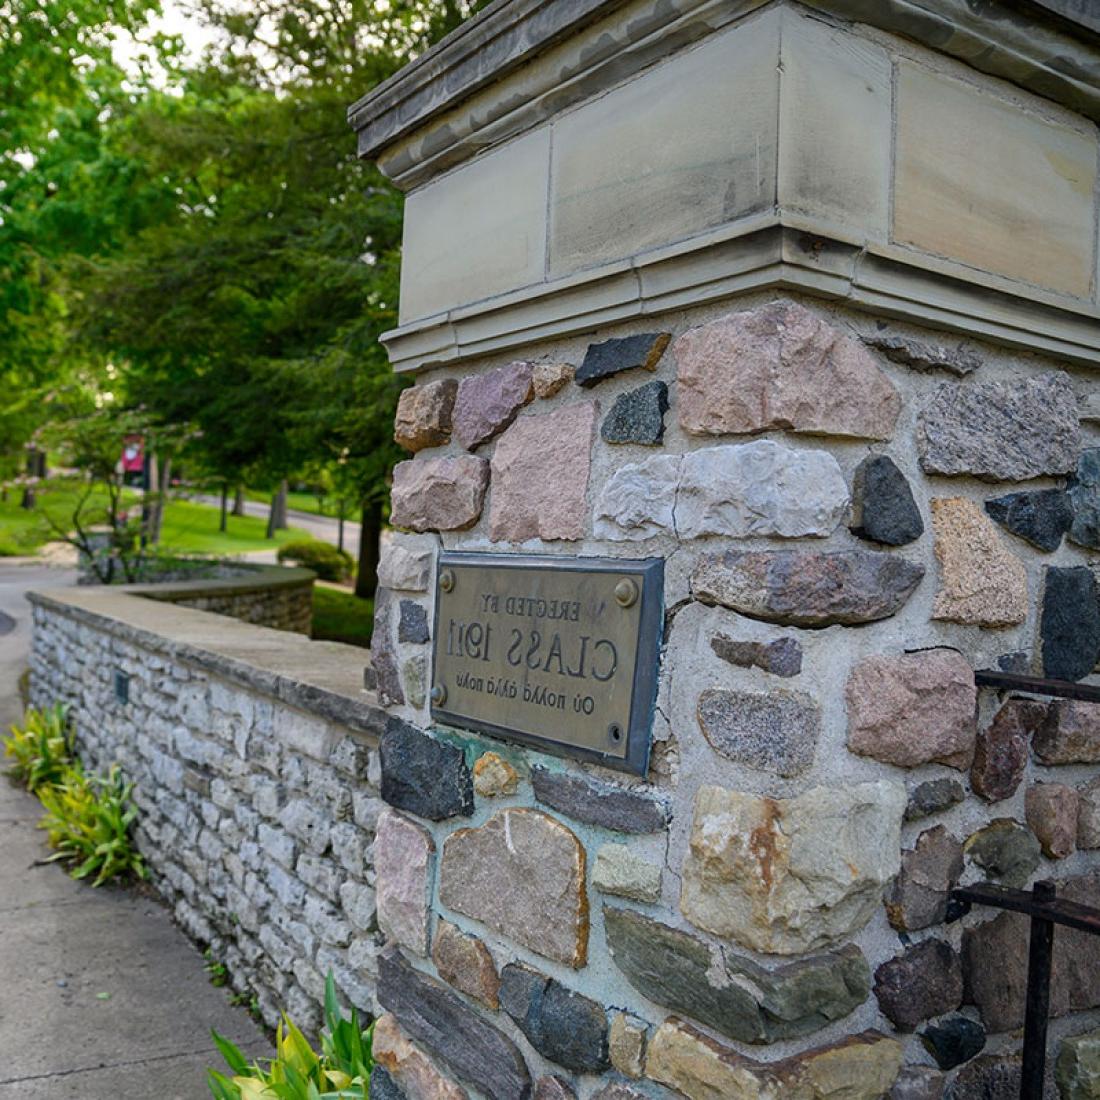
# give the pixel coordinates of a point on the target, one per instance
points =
(558, 653)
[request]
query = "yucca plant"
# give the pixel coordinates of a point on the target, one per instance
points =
(341, 1071)
(88, 821)
(41, 747)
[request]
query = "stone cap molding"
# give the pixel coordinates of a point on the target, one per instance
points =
(1046, 46)
(255, 577)
(321, 678)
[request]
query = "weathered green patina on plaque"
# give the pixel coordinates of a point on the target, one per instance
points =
(556, 652)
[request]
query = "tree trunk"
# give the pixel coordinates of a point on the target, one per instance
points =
(161, 499)
(238, 501)
(276, 515)
(27, 500)
(223, 522)
(366, 580)
(340, 528)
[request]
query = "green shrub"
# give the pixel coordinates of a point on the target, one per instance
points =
(40, 748)
(298, 1072)
(88, 822)
(327, 561)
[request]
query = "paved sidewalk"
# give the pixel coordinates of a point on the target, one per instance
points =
(101, 996)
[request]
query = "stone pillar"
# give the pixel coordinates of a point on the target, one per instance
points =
(801, 299)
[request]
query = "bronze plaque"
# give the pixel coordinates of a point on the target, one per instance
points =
(558, 653)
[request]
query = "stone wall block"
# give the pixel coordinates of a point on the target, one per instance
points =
(429, 1013)
(403, 859)
(1001, 749)
(781, 366)
(611, 357)
(925, 355)
(1041, 517)
(774, 731)
(638, 501)
(537, 864)
(540, 476)
(637, 416)
(424, 415)
(1084, 495)
(424, 776)
(438, 494)
(930, 870)
(487, 402)
(1088, 815)
(733, 994)
(1051, 810)
(781, 657)
(626, 1044)
(923, 981)
(913, 709)
(405, 563)
(1077, 1070)
(806, 587)
(784, 876)
(883, 508)
(595, 802)
(622, 873)
(1001, 431)
(464, 962)
(981, 582)
(1068, 734)
(551, 378)
(1070, 623)
(560, 1024)
(933, 796)
(1006, 850)
(494, 776)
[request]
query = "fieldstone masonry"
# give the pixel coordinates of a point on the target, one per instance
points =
(806, 308)
(860, 496)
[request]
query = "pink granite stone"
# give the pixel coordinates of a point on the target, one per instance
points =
(488, 402)
(913, 709)
(1001, 752)
(1051, 812)
(781, 366)
(403, 857)
(540, 476)
(438, 494)
(1070, 734)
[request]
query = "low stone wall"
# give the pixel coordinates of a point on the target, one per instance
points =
(267, 595)
(256, 777)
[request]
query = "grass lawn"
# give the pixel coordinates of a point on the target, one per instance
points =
(188, 527)
(341, 616)
(304, 502)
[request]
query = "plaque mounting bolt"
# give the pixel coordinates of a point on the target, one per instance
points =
(439, 695)
(446, 580)
(626, 593)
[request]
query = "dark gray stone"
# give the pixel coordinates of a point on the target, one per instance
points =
(382, 1086)
(596, 803)
(811, 588)
(774, 731)
(735, 995)
(383, 654)
(958, 359)
(612, 356)
(783, 657)
(424, 776)
(7, 623)
(1001, 431)
(1006, 850)
(933, 796)
(413, 626)
(637, 416)
(1041, 517)
(561, 1025)
(1070, 625)
(883, 506)
(439, 1019)
(953, 1041)
(1084, 496)
(917, 1083)
(923, 981)
(618, 1091)
(929, 872)
(991, 1077)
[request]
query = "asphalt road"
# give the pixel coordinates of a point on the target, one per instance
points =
(101, 996)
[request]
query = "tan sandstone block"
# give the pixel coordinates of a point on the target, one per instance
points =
(464, 962)
(685, 1059)
(997, 187)
(494, 776)
(982, 582)
(424, 415)
(786, 876)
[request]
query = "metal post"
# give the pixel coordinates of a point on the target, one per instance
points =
(1040, 956)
